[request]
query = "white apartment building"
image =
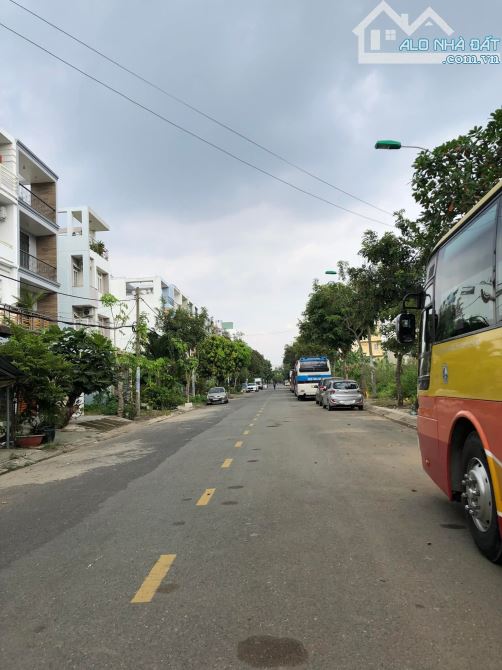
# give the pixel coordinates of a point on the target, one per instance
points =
(83, 268)
(28, 236)
(156, 293)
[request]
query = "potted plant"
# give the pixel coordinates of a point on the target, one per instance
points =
(31, 437)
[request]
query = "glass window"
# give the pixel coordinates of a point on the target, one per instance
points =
(499, 269)
(464, 279)
(345, 385)
(390, 35)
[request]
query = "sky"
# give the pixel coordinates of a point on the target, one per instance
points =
(282, 72)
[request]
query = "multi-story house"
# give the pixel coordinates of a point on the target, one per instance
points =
(155, 294)
(84, 271)
(28, 236)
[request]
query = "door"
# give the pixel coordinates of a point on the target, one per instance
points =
(24, 251)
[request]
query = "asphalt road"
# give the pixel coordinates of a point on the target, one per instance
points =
(320, 544)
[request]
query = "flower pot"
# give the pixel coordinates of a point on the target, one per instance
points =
(29, 441)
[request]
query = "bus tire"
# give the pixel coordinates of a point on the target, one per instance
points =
(479, 501)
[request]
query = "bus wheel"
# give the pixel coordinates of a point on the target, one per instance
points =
(479, 501)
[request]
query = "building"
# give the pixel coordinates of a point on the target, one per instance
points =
(28, 236)
(155, 293)
(376, 345)
(83, 265)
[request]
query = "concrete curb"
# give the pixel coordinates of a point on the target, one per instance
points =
(396, 415)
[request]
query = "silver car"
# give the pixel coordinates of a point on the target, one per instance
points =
(321, 387)
(342, 393)
(217, 395)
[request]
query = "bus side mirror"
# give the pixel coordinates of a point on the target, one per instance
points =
(405, 328)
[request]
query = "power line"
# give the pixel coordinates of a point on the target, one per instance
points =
(68, 295)
(190, 132)
(195, 109)
(149, 306)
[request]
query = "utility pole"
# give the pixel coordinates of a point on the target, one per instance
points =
(138, 352)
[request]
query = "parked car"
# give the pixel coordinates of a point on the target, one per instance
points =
(252, 386)
(321, 387)
(342, 393)
(244, 388)
(217, 395)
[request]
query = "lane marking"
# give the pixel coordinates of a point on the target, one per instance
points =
(154, 578)
(251, 425)
(227, 463)
(238, 444)
(246, 432)
(205, 497)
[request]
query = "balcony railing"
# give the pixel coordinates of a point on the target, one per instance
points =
(8, 180)
(23, 317)
(37, 266)
(35, 202)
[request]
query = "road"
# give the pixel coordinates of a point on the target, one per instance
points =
(320, 544)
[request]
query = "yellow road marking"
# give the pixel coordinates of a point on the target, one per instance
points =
(205, 497)
(227, 463)
(238, 444)
(246, 432)
(251, 425)
(154, 578)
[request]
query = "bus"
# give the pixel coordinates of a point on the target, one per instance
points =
(460, 368)
(308, 371)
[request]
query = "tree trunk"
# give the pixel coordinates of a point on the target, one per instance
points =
(399, 388)
(372, 366)
(120, 398)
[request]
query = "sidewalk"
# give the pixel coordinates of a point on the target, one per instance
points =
(80, 432)
(401, 416)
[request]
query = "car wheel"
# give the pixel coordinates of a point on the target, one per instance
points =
(361, 407)
(479, 501)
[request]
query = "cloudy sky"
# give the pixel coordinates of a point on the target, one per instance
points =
(284, 73)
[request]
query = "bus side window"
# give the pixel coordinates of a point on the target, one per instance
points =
(465, 299)
(425, 341)
(499, 266)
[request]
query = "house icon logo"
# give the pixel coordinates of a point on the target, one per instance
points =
(382, 33)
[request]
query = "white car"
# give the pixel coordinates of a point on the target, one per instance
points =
(252, 386)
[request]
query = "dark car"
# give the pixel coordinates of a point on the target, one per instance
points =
(217, 395)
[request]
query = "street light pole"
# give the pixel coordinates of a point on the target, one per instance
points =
(393, 145)
(138, 351)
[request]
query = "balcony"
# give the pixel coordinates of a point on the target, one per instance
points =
(36, 203)
(8, 181)
(23, 317)
(37, 266)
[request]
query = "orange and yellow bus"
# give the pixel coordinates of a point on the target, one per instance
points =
(460, 369)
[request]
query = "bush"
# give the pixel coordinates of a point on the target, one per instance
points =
(162, 397)
(103, 402)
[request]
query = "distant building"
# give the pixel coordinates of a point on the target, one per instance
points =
(83, 268)
(28, 236)
(376, 345)
(156, 293)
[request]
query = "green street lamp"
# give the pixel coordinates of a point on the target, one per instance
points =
(392, 145)
(330, 272)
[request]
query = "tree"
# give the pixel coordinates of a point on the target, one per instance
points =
(46, 376)
(118, 312)
(92, 360)
(450, 179)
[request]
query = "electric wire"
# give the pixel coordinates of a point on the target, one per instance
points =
(197, 110)
(190, 132)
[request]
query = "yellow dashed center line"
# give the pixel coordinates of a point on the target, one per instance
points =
(227, 463)
(251, 425)
(238, 444)
(246, 432)
(205, 497)
(154, 578)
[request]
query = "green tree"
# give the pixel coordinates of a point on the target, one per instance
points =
(46, 376)
(92, 360)
(450, 179)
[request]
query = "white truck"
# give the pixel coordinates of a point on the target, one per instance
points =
(259, 382)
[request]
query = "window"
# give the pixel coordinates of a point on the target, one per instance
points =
(464, 279)
(100, 281)
(390, 35)
(77, 270)
(499, 268)
(426, 336)
(314, 366)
